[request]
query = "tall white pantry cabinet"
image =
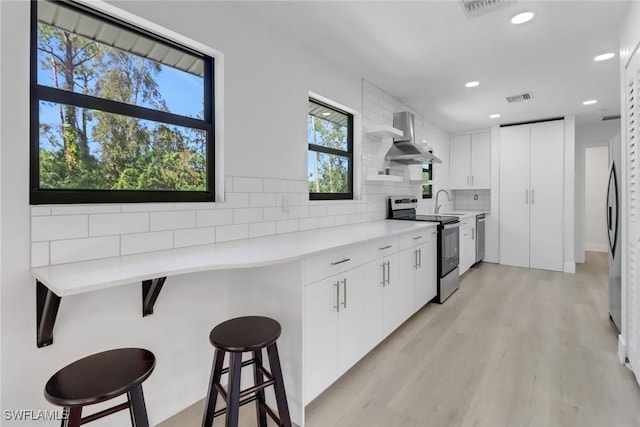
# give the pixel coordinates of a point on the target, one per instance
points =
(532, 194)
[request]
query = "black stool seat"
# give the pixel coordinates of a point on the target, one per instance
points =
(101, 377)
(245, 334)
(249, 334)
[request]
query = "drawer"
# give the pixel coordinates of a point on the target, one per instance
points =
(336, 261)
(380, 248)
(417, 237)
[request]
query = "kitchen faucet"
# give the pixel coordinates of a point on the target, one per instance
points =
(437, 206)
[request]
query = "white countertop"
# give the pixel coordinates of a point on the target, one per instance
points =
(86, 276)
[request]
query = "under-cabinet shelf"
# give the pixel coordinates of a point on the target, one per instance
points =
(385, 178)
(383, 131)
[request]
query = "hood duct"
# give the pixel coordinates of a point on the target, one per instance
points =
(405, 149)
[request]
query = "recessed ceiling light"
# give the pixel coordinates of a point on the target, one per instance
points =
(590, 102)
(494, 116)
(521, 18)
(326, 113)
(472, 84)
(604, 56)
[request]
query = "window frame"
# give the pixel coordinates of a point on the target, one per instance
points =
(45, 93)
(422, 185)
(326, 150)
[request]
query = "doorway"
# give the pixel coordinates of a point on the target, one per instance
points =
(596, 173)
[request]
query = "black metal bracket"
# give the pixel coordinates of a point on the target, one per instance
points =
(47, 304)
(150, 291)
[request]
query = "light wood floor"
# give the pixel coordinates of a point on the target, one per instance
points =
(512, 347)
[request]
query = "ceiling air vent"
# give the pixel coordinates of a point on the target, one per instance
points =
(478, 7)
(519, 98)
(606, 118)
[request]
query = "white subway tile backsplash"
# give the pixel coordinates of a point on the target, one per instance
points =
(214, 217)
(196, 206)
(287, 226)
(341, 220)
(147, 207)
(247, 185)
(226, 233)
(296, 212)
(80, 209)
(39, 254)
(308, 224)
(63, 251)
(235, 200)
(59, 227)
(262, 229)
(334, 209)
(194, 236)
(40, 210)
(326, 221)
(262, 200)
(315, 211)
(112, 224)
(275, 185)
(247, 215)
(146, 242)
(298, 186)
(275, 214)
(228, 184)
(172, 220)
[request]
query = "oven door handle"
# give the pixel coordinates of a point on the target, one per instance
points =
(448, 226)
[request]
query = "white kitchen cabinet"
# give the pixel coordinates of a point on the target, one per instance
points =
(467, 243)
(531, 195)
(426, 270)
(332, 329)
(470, 159)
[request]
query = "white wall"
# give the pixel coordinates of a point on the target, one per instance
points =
(596, 175)
(267, 75)
(587, 135)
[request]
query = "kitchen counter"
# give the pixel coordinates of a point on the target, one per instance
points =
(86, 276)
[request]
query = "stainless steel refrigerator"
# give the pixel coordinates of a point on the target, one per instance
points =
(613, 229)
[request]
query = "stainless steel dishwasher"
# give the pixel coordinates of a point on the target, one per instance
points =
(479, 237)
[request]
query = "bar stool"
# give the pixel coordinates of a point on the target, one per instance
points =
(101, 377)
(237, 336)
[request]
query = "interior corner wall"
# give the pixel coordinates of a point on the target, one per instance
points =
(569, 193)
(587, 135)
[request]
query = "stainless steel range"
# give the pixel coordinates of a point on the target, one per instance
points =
(404, 208)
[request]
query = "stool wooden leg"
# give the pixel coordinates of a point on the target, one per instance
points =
(212, 395)
(137, 408)
(281, 396)
(72, 417)
(233, 392)
(259, 379)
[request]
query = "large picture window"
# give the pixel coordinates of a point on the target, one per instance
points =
(330, 159)
(117, 114)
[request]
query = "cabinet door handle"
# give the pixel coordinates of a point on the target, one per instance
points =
(417, 237)
(388, 273)
(472, 179)
(337, 306)
(384, 274)
(420, 258)
(344, 292)
(385, 247)
(341, 261)
(416, 259)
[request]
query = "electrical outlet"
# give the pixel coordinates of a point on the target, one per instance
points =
(475, 197)
(285, 203)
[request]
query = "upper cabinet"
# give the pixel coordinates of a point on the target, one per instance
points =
(470, 158)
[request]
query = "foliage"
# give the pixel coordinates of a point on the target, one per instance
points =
(92, 149)
(330, 173)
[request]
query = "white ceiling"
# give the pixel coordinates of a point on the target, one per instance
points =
(423, 52)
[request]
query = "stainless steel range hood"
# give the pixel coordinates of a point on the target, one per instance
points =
(405, 149)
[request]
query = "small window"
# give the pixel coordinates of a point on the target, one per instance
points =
(330, 158)
(117, 114)
(427, 177)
